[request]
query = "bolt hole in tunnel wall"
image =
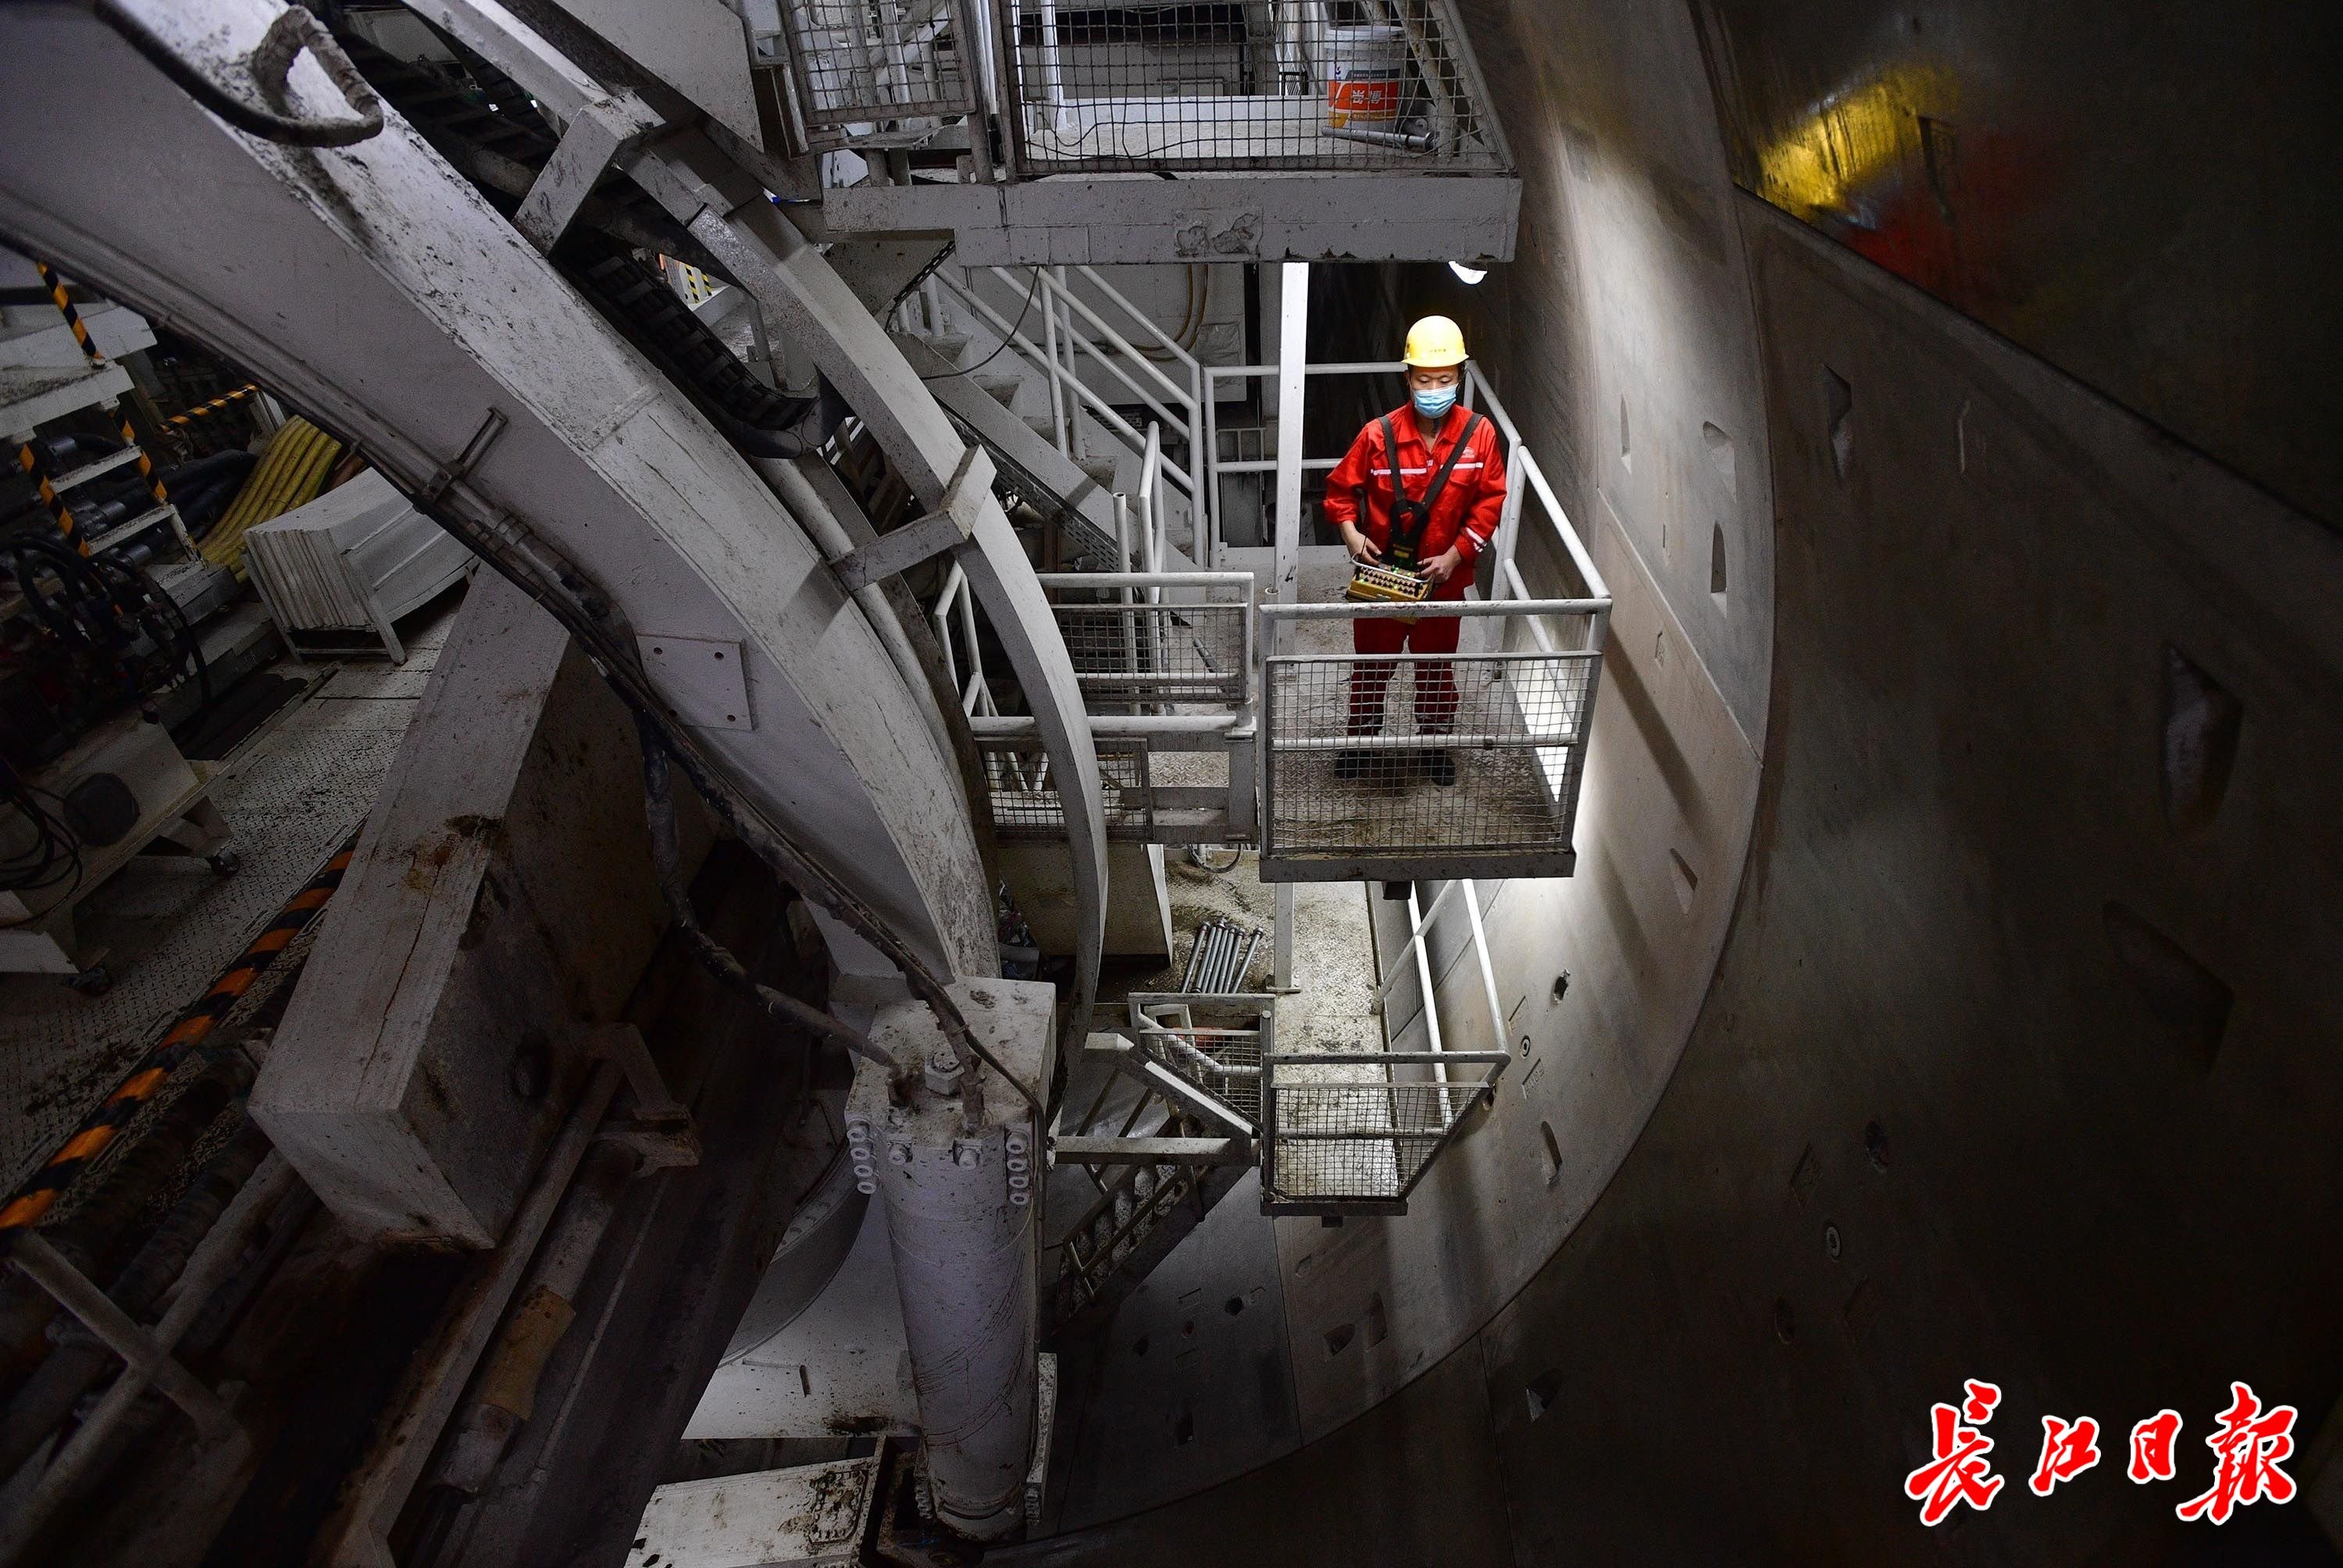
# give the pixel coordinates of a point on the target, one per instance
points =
(1990, 717)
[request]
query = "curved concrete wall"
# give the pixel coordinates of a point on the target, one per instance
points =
(2018, 1061)
(1625, 344)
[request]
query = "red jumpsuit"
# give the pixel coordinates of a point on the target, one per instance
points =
(1359, 492)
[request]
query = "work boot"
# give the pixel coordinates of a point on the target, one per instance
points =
(1438, 766)
(1350, 764)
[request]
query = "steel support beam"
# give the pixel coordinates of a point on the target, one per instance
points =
(1074, 220)
(727, 210)
(374, 285)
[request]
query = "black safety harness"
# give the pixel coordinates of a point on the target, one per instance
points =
(1409, 518)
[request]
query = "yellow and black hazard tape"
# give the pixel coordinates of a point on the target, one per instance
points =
(73, 317)
(98, 1130)
(129, 438)
(34, 464)
(204, 410)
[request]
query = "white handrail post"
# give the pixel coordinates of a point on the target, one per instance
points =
(1292, 368)
(1050, 350)
(1488, 970)
(1419, 923)
(1210, 417)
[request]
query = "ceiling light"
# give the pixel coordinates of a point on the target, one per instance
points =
(1468, 274)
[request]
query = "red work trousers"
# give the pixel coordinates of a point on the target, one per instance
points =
(1435, 679)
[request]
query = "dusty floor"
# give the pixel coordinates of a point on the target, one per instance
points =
(292, 791)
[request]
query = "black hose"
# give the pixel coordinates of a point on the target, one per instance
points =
(288, 36)
(666, 857)
(220, 467)
(587, 614)
(103, 605)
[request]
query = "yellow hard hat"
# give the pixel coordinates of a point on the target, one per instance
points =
(1435, 343)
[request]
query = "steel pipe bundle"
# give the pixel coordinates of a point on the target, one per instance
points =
(1220, 959)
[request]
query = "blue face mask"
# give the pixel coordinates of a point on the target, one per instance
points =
(1433, 403)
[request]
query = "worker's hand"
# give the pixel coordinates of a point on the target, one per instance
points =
(1442, 566)
(1362, 548)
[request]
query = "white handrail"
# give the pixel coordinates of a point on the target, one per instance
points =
(1561, 520)
(1115, 294)
(1171, 388)
(1431, 1003)
(1075, 339)
(1032, 354)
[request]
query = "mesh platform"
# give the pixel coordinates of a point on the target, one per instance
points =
(1354, 1133)
(1131, 654)
(1268, 84)
(1024, 790)
(866, 63)
(1215, 1042)
(1418, 766)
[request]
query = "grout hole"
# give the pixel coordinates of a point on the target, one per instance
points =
(1338, 1338)
(1139, 1346)
(1688, 880)
(2186, 997)
(1233, 1305)
(1378, 1322)
(1717, 562)
(1552, 1152)
(2201, 722)
(1838, 406)
(1720, 452)
(1540, 1392)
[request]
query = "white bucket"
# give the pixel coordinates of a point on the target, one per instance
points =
(1363, 66)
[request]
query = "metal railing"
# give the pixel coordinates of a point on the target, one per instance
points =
(1390, 764)
(870, 72)
(1354, 1132)
(1158, 637)
(954, 612)
(1474, 770)
(1216, 1042)
(1272, 85)
(1167, 662)
(1071, 330)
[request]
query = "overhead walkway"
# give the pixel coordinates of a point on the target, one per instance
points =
(1036, 133)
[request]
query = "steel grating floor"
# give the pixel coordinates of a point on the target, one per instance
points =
(293, 792)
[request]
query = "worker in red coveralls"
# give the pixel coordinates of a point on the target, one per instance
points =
(1420, 490)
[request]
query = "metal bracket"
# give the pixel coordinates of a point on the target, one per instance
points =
(660, 1130)
(601, 132)
(946, 528)
(1072, 1151)
(1152, 1074)
(1045, 1423)
(459, 469)
(622, 1045)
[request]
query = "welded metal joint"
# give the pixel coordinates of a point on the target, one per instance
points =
(949, 526)
(599, 134)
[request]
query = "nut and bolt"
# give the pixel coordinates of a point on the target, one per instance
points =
(897, 1155)
(942, 1074)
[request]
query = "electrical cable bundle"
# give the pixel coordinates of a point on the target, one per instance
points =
(52, 855)
(101, 631)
